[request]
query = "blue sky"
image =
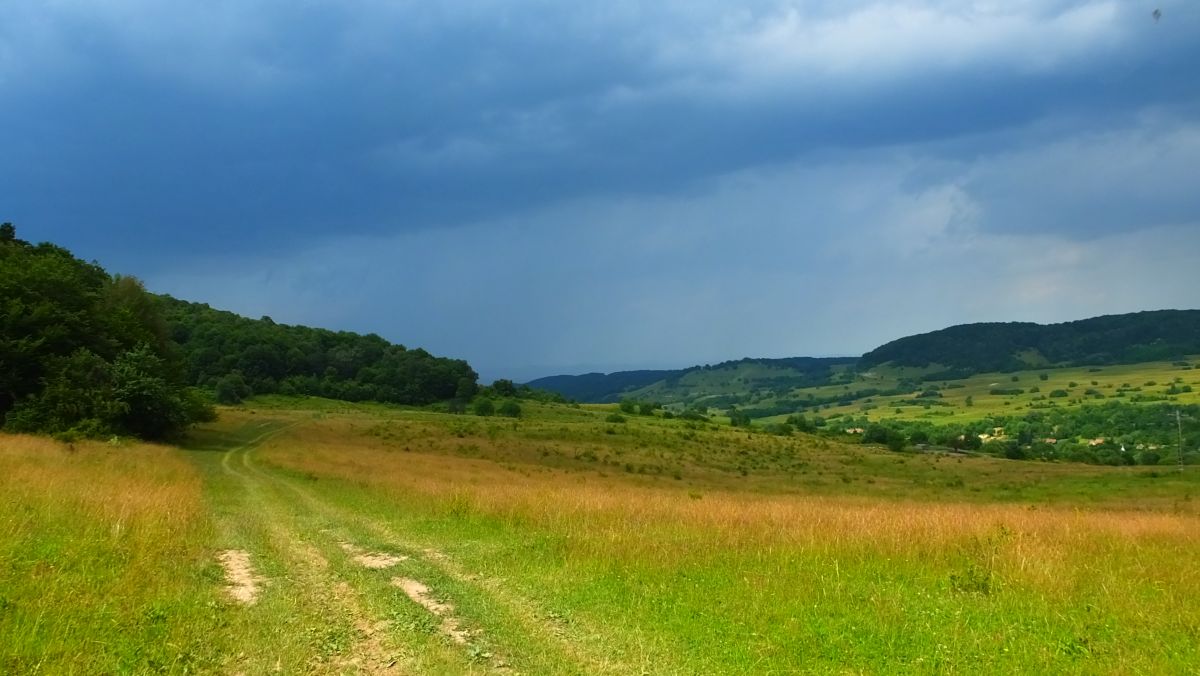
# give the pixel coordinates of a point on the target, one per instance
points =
(544, 187)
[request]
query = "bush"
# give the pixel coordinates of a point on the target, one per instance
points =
(614, 418)
(1058, 394)
(510, 409)
(781, 429)
(231, 388)
(483, 407)
(1148, 458)
(738, 418)
(648, 407)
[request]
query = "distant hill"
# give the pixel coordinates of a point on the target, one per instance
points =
(953, 353)
(729, 378)
(1112, 339)
(599, 387)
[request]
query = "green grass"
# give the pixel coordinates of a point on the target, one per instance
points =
(1147, 382)
(85, 532)
(679, 581)
(568, 544)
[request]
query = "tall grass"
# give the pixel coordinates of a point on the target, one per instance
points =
(101, 557)
(726, 579)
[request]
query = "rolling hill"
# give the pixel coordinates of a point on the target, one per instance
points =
(1111, 339)
(953, 353)
(724, 379)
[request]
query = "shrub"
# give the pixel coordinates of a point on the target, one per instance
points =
(781, 429)
(231, 388)
(510, 409)
(484, 407)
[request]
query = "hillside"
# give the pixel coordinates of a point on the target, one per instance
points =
(87, 353)
(899, 366)
(1112, 339)
(237, 356)
(698, 382)
(600, 388)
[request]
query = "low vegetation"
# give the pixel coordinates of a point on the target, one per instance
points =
(561, 542)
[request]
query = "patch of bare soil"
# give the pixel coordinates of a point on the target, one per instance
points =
(372, 560)
(243, 583)
(420, 594)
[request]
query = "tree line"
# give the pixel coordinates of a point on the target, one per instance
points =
(235, 357)
(83, 352)
(86, 353)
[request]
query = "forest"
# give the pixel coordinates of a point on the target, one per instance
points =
(979, 348)
(236, 357)
(87, 353)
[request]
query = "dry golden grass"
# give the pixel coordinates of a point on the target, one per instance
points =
(621, 517)
(125, 485)
(98, 548)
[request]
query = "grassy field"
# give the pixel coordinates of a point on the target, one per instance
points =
(1130, 383)
(562, 543)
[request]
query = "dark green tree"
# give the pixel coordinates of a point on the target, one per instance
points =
(483, 407)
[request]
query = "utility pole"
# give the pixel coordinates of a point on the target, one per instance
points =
(1179, 427)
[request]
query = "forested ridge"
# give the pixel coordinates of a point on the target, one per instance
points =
(87, 353)
(612, 387)
(961, 351)
(83, 352)
(1111, 339)
(235, 356)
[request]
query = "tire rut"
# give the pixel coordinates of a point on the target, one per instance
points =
(570, 640)
(370, 651)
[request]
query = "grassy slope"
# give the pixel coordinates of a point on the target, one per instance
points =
(1107, 380)
(732, 379)
(740, 381)
(571, 545)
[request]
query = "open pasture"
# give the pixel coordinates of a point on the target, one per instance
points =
(388, 540)
(1016, 393)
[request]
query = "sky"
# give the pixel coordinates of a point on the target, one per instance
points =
(561, 187)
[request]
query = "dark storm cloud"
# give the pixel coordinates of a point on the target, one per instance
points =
(641, 183)
(231, 126)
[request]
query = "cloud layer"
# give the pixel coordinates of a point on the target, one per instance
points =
(550, 185)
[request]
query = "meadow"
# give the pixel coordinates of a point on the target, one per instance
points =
(1009, 393)
(398, 540)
